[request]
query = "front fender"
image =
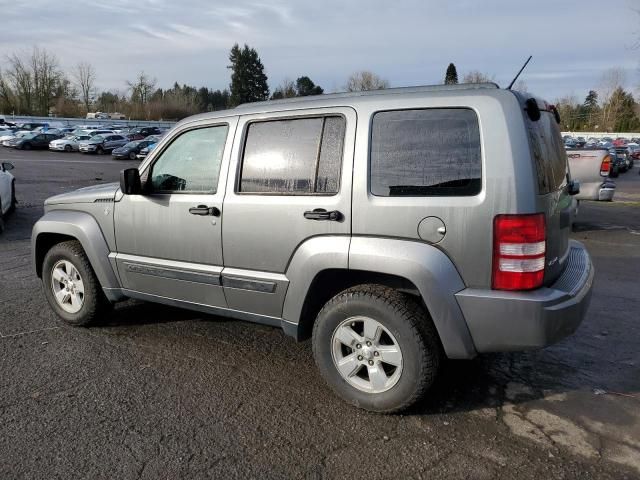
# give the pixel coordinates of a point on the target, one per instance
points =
(84, 228)
(432, 272)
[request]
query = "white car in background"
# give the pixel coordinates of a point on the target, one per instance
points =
(5, 139)
(7, 192)
(68, 143)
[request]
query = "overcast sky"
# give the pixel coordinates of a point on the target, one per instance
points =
(407, 42)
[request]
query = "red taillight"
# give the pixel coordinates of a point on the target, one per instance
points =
(519, 247)
(605, 166)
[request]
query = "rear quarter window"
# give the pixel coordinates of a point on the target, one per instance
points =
(428, 152)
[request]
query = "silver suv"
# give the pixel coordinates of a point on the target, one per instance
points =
(395, 228)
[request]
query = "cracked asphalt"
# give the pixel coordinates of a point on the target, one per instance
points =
(157, 392)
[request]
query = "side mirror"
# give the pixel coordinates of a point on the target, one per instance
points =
(573, 187)
(6, 166)
(130, 181)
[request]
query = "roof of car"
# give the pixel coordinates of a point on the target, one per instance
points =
(346, 98)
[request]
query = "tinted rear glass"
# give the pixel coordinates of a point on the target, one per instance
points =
(549, 155)
(430, 152)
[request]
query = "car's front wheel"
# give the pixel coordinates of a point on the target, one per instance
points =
(70, 285)
(132, 155)
(68, 148)
(376, 348)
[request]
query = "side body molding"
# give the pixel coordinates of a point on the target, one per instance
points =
(432, 272)
(86, 230)
(312, 257)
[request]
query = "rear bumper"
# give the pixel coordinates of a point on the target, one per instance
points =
(606, 192)
(510, 321)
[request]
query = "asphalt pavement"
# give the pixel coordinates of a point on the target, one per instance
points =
(157, 392)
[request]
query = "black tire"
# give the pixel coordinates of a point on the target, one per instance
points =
(413, 330)
(26, 146)
(12, 205)
(132, 155)
(614, 173)
(68, 148)
(100, 151)
(94, 304)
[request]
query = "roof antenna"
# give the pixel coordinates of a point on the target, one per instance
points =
(516, 77)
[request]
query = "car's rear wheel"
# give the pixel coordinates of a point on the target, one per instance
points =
(71, 286)
(376, 348)
(132, 155)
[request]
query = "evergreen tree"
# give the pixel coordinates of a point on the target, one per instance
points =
(590, 111)
(248, 80)
(305, 87)
(620, 109)
(451, 77)
(591, 100)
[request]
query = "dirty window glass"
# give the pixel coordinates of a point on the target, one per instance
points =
(293, 157)
(548, 153)
(431, 152)
(191, 163)
(328, 175)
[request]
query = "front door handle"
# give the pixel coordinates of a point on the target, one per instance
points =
(322, 214)
(204, 210)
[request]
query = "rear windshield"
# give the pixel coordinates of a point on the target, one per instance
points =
(547, 149)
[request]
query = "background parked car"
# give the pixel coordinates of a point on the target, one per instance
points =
(34, 141)
(70, 143)
(7, 192)
(102, 143)
(131, 149)
(146, 131)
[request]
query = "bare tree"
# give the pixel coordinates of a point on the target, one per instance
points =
(46, 78)
(21, 81)
(85, 77)
(612, 79)
(365, 80)
(287, 89)
(141, 90)
(476, 76)
(521, 86)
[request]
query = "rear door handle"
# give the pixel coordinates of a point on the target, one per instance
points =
(204, 210)
(322, 214)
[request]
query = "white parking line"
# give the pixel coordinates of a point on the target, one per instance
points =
(28, 332)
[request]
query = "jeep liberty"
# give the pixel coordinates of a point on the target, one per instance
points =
(394, 228)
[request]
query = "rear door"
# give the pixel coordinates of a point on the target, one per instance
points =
(289, 181)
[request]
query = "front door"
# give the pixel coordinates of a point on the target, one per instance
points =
(169, 240)
(290, 181)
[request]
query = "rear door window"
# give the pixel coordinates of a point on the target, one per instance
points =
(428, 152)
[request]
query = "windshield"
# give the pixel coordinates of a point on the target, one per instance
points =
(29, 135)
(131, 145)
(97, 138)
